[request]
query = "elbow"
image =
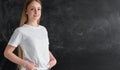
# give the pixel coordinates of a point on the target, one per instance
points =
(5, 54)
(55, 61)
(8, 51)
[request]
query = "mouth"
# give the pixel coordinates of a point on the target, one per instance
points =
(36, 15)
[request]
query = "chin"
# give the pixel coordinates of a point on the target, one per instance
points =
(36, 18)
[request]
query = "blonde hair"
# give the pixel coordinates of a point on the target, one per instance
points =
(24, 19)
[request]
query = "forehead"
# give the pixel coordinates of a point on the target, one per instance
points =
(34, 4)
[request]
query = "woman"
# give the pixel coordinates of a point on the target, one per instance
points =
(32, 39)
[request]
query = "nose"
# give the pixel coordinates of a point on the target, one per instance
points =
(36, 11)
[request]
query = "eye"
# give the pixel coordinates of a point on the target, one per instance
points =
(31, 8)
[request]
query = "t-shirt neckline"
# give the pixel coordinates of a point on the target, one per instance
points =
(34, 27)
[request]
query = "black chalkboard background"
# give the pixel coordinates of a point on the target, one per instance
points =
(83, 34)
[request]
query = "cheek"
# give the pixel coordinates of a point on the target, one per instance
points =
(39, 13)
(30, 13)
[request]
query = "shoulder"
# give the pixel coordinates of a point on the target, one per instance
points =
(19, 29)
(43, 27)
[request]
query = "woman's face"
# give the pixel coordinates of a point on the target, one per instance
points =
(33, 11)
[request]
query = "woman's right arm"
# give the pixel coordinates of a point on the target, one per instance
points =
(8, 53)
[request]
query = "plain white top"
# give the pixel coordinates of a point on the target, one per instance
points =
(34, 43)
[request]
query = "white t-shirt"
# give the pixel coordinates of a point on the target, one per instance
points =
(34, 43)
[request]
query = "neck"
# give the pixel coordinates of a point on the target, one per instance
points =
(33, 23)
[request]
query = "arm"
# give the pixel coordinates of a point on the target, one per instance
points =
(8, 53)
(53, 61)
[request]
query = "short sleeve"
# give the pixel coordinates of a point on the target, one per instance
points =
(16, 38)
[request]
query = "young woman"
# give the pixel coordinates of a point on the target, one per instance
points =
(32, 39)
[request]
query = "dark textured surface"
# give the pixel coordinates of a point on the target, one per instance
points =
(84, 34)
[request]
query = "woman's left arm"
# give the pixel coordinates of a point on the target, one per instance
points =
(52, 61)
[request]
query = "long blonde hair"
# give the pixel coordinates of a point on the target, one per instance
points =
(24, 19)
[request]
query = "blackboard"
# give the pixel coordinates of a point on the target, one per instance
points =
(83, 34)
